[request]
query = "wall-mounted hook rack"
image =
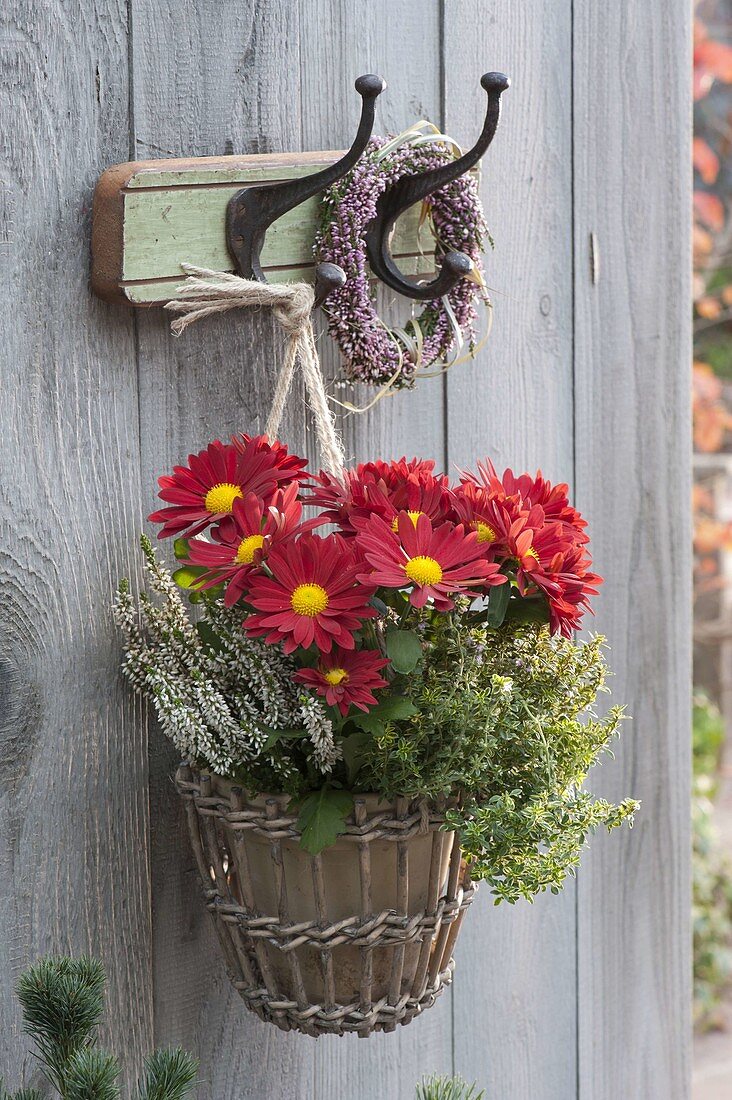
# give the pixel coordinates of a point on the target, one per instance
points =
(251, 211)
(403, 194)
(258, 215)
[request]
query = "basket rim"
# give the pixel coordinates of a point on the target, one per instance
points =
(372, 818)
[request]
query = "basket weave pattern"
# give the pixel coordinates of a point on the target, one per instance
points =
(315, 966)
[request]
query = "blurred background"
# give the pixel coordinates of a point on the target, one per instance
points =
(712, 497)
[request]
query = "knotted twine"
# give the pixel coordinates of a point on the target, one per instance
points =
(207, 292)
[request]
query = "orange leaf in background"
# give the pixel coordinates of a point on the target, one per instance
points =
(698, 285)
(703, 245)
(709, 429)
(711, 535)
(707, 567)
(708, 307)
(702, 83)
(712, 61)
(707, 387)
(702, 499)
(715, 58)
(727, 295)
(705, 160)
(712, 420)
(710, 209)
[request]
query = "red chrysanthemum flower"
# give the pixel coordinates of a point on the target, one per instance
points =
(244, 539)
(531, 547)
(435, 562)
(384, 489)
(487, 513)
(576, 584)
(553, 499)
(346, 678)
(546, 561)
(313, 595)
(291, 466)
(204, 492)
(399, 470)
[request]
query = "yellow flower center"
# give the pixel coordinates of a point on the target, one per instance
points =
(414, 516)
(335, 676)
(221, 497)
(533, 553)
(423, 570)
(485, 533)
(248, 548)
(309, 599)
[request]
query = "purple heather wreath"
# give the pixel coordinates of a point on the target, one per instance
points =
(372, 352)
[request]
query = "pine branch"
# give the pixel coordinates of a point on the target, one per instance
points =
(22, 1094)
(62, 1001)
(169, 1075)
(91, 1074)
(447, 1088)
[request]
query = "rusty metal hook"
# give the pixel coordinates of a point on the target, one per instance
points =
(251, 211)
(410, 189)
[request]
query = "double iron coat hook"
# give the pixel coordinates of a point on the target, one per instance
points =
(251, 211)
(411, 189)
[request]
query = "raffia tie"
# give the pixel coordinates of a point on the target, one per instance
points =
(207, 292)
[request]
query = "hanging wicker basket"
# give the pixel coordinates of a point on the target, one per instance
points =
(358, 938)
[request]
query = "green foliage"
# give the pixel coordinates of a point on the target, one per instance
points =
(708, 734)
(188, 576)
(322, 818)
(91, 1074)
(712, 872)
(447, 1088)
(21, 1094)
(506, 719)
(404, 650)
(711, 911)
(496, 719)
(62, 1001)
(169, 1075)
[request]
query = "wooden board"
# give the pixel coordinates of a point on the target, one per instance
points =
(151, 216)
(632, 386)
(514, 1002)
(74, 836)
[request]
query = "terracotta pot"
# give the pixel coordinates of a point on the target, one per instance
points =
(358, 938)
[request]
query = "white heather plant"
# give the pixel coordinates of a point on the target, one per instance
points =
(424, 649)
(219, 695)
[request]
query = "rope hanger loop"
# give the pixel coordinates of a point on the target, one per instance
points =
(207, 292)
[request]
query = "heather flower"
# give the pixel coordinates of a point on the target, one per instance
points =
(372, 352)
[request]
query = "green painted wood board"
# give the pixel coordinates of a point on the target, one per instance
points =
(149, 217)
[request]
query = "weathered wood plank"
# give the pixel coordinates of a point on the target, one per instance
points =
(232, 84)
(151, 216)
(514, 995)
(400, 42)
(632, 385)
(74, 872)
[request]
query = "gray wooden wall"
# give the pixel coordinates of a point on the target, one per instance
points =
(587, 373)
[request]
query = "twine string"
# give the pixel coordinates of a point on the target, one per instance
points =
(207, 292)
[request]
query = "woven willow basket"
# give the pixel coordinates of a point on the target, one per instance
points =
(358, 938)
